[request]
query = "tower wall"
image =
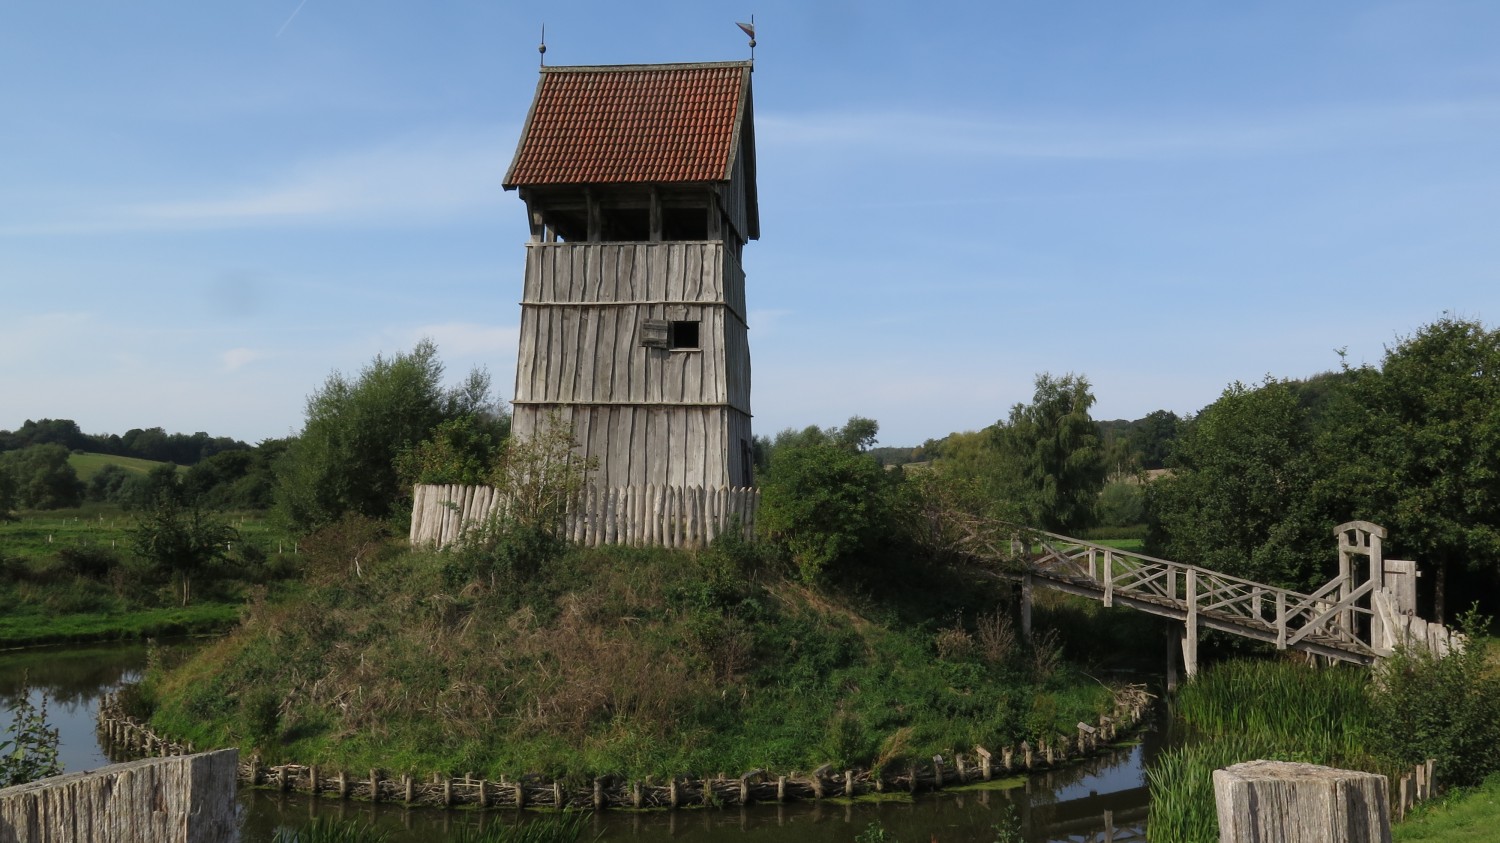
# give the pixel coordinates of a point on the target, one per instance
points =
(678, 416)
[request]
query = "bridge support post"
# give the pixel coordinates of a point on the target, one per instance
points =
(1173, 645)
(1190, 649)
(1190, 628)
(1026, 605)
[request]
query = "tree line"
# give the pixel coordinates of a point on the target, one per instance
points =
(152, 443)
(1251, 485)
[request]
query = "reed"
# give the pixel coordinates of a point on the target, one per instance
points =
(329, 830)
(1247, 710)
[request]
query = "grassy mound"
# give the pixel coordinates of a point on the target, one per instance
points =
(616, 661)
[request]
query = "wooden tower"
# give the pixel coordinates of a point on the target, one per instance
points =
(639, 183)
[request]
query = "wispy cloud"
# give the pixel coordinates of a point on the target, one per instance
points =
(420, 179)
(1166, 137)
(237, 358)
(469, 339)
(410, 179)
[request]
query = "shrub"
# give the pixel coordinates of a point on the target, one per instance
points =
(1448, 709)
(29, 752)
(91, 561)
(827, 505)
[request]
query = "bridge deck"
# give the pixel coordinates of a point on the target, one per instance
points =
(1333, 621)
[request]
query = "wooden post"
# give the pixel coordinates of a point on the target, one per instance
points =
(343, 785)
(672, 793)
(781, 788)
(181, 799)
(557, 795)
(374, 786)
(520, 796)
(312, 780)
(1007, 758)
(848, 782)
(985, 768)
(1026, 605)
(1109, 577)
(635, 795)
(1190, 631)
(408, 788)
(1280, 800)
(937, 772)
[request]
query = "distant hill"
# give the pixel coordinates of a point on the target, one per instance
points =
(87, 465)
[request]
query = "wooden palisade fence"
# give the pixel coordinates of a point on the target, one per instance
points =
(126, 736)
(664, 516)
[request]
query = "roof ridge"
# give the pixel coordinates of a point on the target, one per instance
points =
(621, 68)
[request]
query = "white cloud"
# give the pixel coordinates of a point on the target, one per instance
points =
(470, 339)
(236, 358)
(410, 178)
(414, 179)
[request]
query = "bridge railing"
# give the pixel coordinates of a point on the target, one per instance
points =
(1328, 616)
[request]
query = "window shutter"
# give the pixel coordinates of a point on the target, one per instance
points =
(655, 333)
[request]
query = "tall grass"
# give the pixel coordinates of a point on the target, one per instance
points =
(1248, 710)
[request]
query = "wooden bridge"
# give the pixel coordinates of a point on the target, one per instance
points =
(1360, 616)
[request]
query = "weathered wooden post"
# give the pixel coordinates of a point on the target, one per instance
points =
(986, 766)
(1300, 803)
(180, 799)
(1190, 630)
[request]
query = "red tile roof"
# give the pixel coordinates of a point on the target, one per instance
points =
(633, 123)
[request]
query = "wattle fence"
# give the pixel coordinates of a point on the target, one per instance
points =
(663, 516)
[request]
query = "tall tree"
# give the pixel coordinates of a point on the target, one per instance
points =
(42, 477)
(175, 533)
(1151, 438)
(1430, 447)
(1054, 452)
(1240, 499)
(345, 458)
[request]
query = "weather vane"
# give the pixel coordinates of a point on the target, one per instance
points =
(749, 29)
(542, 47)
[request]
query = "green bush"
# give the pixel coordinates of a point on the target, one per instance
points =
(827, 505)
(1447, 708)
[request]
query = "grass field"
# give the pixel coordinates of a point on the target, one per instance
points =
(29, 630)
(87, 465)
(73, 575)
(41, 534)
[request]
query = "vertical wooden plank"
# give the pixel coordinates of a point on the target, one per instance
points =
(692, 281)
(653, 516)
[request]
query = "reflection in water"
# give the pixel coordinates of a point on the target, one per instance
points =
(72, 679)
(1068, 804)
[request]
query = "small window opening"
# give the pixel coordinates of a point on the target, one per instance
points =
(684, 223)
(629, 225)
(685, 334)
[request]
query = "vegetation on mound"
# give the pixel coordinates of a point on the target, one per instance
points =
(530, 658)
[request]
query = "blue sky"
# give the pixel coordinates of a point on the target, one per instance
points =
(205, 208)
